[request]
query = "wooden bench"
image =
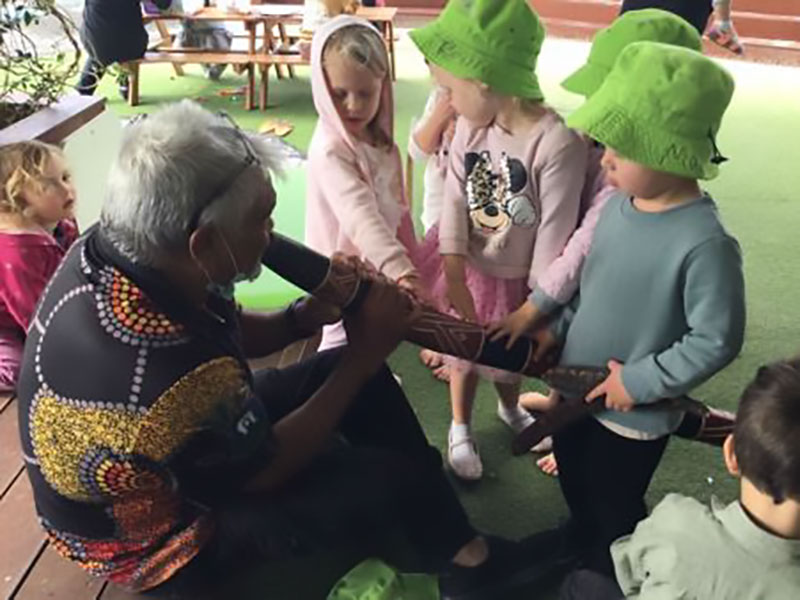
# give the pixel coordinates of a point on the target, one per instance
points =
(29, 568)
(246, 63)
(193, 56)
(165, 41)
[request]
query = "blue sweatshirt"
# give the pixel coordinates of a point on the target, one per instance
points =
(662, 293)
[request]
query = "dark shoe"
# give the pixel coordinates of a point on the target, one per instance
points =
(123, 82)
(510, 566)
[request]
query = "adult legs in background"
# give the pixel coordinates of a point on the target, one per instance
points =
(92, 73)
(212, 36)
(220, 39)
(722, 31)
(696, 12)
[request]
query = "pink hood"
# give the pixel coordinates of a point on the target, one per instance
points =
(328, 117)
(348, 207)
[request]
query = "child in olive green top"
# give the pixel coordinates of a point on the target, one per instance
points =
(748, 549)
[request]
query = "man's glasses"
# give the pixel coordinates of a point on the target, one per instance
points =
(250, 159)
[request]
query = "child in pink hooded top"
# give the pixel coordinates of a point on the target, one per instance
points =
(355, 202)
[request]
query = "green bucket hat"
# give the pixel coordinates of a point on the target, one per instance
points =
(660, 106)
(496, 42)
(646, 25)
(374, 580)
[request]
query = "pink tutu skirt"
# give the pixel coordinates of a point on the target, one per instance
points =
(426, 258)
(494, 299)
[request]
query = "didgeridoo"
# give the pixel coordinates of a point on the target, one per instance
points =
(701, 423)
(339, 283)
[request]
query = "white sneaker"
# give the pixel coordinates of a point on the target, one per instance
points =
(462, 455)
(516, 418)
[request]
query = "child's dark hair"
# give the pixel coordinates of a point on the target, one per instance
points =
(767, 432)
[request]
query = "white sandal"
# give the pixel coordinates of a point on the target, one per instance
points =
(468, 472)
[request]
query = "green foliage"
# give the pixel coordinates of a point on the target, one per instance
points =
(31, 80)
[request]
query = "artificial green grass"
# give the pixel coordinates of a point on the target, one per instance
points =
(758, 197)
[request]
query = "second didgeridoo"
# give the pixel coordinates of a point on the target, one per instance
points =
(339, 284)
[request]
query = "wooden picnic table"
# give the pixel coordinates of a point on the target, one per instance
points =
(382, 16)
(249, 20)
(263, 56)
(272, 15)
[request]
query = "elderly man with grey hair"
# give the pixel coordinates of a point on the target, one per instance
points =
(158, 460)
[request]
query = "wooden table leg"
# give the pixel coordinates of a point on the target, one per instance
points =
(251, 87)
(269, 46)
(263, 87)
(286, 42)
(251, 32)
(166, 40)
(133, 82)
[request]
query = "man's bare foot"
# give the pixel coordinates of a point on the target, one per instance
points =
(548, 465)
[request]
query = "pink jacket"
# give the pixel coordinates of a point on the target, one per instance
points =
(512, 202)
(29, 261)
(560, 280)
(347, 207)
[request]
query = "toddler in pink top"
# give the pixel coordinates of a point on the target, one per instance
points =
(512, 192)
(355, 202)
(36, 227)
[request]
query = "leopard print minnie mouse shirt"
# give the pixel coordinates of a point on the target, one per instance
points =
(512, 200)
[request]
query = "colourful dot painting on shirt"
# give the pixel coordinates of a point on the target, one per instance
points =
(108, 446)
(127, 314)
(104, 472)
